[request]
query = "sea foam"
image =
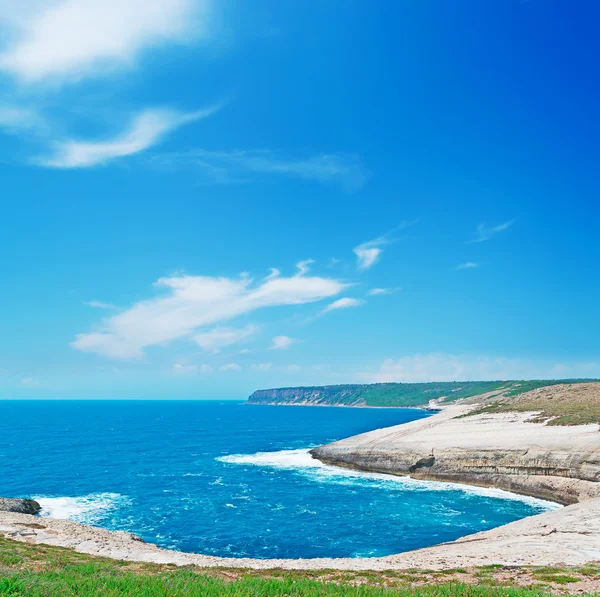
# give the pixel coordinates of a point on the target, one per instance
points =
(87, 509)
(302, 462)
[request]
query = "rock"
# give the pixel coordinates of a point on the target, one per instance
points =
(509, 451)
(20, 505)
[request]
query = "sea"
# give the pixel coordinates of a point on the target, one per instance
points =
(229, 479)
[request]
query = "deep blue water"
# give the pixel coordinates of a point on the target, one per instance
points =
(230, 479)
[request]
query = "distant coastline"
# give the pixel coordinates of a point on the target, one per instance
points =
(419, 395)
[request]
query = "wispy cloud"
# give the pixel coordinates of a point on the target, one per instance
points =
(468, 265)
(368, 254)
(282, 342)
(262, 367)
(30, 382)
(194, 303)
(238, 166)
(381, 291)
(460, 367)
(99, 305)
(344, 303)
(230, 367)
(73, 39)
(218, 338)
(485, 232)
(303, 268)
(183, 369)
(147, 129)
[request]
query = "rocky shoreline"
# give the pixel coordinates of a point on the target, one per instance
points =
(506, 451)
(569, 536)
(511, 451)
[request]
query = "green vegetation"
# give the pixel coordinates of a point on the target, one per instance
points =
(396, 394)
(45, 571)
(569, 405)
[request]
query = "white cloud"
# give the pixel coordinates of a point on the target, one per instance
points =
(485, 232)
(450, 367)
(219, 337)
(368, 253)
(195, 302)
(282, 342)
(381, 291)
(72, 39)
(30, 382)
(206, 368)
(468, 265)
(226, 167)
(344, 303)
(262, 367)
(182, 369)
(147, 129)
(230, 367)
(98, 305)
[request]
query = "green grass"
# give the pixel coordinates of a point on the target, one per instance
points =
(396, 394)
(45, 571)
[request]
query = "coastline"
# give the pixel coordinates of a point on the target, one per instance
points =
(425, 408)
(569, 535)
(508, 451)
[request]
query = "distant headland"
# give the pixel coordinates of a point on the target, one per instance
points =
(399, 394)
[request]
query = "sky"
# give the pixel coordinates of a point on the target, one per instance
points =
(200, 199)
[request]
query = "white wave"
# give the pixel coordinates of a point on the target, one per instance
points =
(87, 509)
(303, 462)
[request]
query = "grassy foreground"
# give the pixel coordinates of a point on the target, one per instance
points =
(44, 571)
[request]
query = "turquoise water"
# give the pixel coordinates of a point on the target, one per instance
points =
(230, 479)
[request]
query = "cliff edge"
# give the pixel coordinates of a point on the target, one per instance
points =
(520, 451)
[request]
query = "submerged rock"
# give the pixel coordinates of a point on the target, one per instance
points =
(20, 505)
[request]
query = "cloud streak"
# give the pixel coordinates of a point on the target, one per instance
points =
(147, 128)
(99, 305)
(189, 304)
(368, 254)
(282, 342)
(381, 291)
(485, 232)
(344, 303)
(240, 166)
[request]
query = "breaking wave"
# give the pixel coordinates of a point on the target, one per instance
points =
(302, 462)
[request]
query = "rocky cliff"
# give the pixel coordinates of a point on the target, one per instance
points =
(506, 451)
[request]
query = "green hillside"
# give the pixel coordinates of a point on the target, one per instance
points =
(395, 394)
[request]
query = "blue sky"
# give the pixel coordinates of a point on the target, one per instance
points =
(200, 198)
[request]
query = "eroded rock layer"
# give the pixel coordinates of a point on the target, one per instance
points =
(507, 451)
